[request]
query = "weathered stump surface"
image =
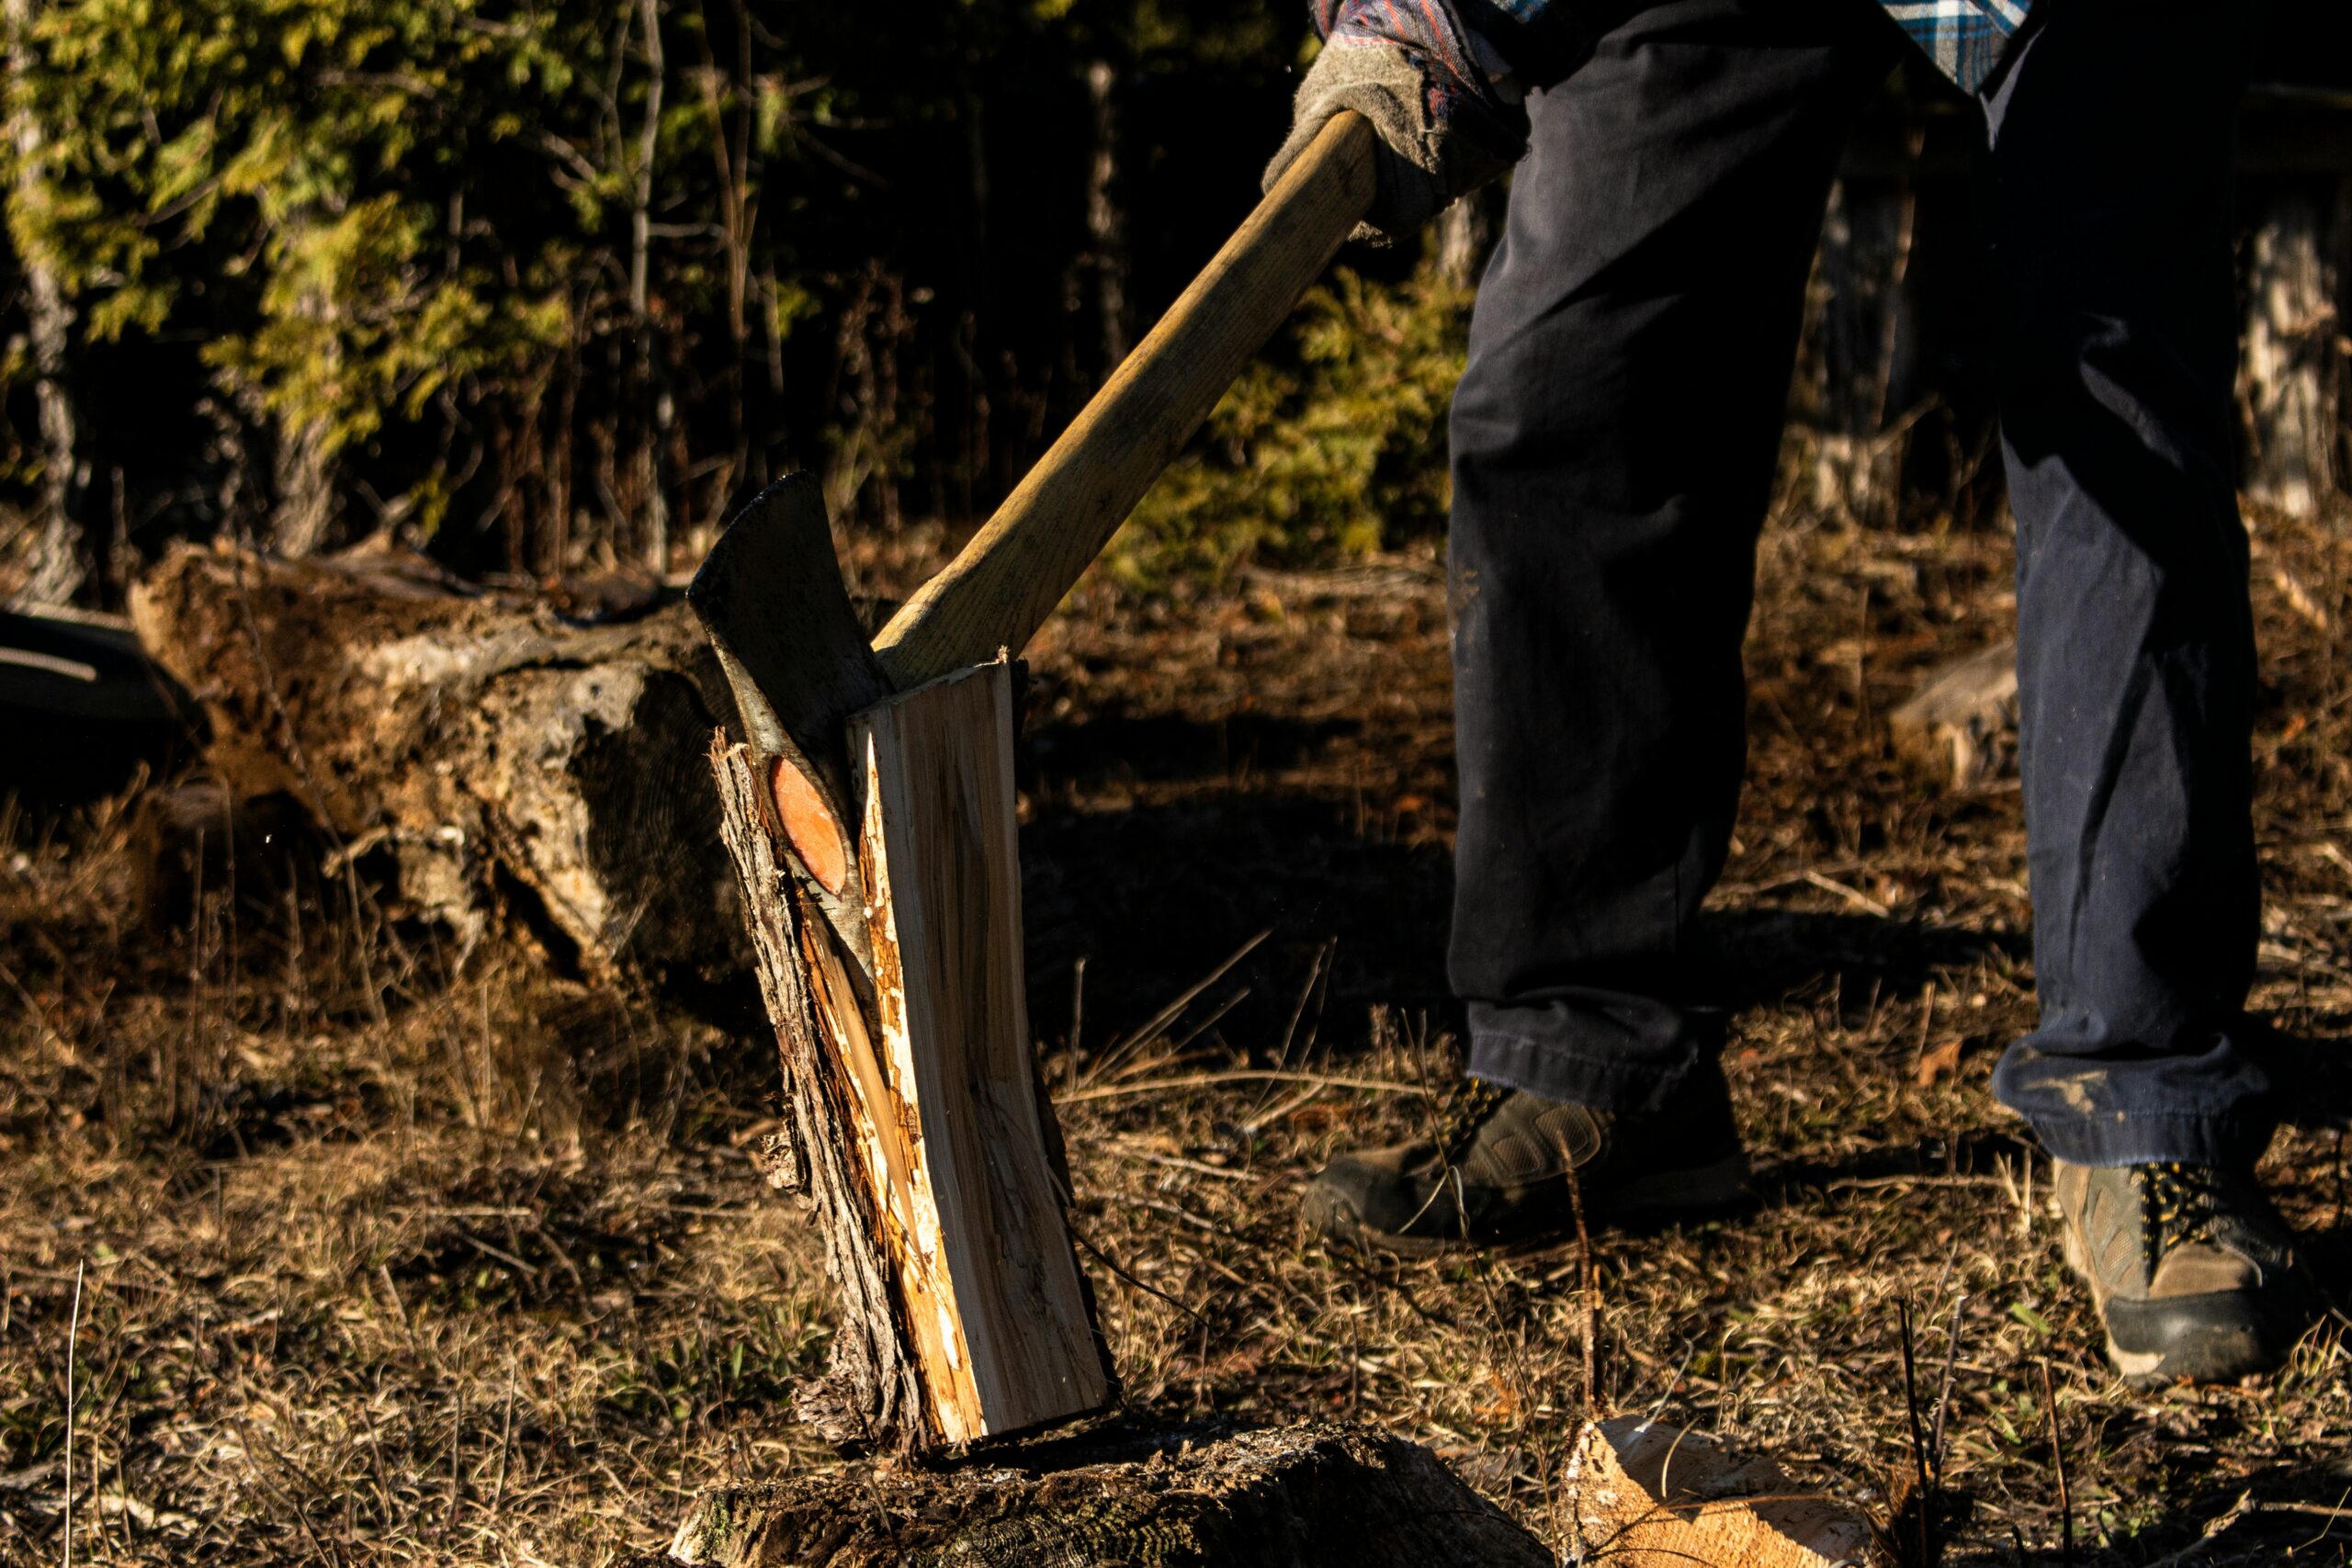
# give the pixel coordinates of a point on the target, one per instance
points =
(1313, 1496)
(478, 740)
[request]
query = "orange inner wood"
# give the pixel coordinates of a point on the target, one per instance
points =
(810, 824)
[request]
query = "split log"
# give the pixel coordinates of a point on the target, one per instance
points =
(1961, 725)
(488, 746)
(1648, 1495)
(917, 1130)
(1317, 1496)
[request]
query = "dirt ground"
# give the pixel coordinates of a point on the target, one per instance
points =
(343, 1263)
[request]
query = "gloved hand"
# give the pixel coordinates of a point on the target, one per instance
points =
(1448, 120)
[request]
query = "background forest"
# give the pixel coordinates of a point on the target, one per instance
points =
(552, 287)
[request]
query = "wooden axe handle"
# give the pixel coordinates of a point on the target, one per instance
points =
(1015, 570)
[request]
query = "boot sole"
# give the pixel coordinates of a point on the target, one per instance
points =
(1701, 1192)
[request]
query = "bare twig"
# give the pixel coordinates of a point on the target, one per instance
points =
(1591, 1285)
(1166, 1015)
(2213, 1528)
(1206, 1080)
(1122, 1270)
(1918, 1439)
(72, 1343)
(2058, 1462)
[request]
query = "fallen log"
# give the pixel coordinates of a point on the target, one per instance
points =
(488, 750)
(1644, 1495)
(1961, 725)
(1315, 1496)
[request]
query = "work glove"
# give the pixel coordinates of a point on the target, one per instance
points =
(1449, 117)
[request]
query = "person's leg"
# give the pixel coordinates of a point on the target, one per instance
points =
(1613, 444)
(2111, 152)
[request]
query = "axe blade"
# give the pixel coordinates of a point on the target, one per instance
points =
(770, 594)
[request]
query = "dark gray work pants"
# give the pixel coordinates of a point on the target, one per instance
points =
(1614, 442)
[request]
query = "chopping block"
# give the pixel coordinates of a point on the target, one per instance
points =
(869, 807)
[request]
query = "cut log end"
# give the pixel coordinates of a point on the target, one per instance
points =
(809, 825)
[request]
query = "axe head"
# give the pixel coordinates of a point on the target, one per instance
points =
(770, 594)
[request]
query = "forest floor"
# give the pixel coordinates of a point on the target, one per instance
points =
(346, 1265)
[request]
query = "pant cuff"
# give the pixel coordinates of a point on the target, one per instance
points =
(1560, 1073)
(2155, 1137)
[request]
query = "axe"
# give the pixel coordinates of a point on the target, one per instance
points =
(870, 811)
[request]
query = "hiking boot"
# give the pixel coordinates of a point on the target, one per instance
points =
(2193, 1272)
(1500, 1169)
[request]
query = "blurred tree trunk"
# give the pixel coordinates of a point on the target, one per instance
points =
(59, 564)
(1106, 225)
(2290, 378)
(303, 475)
(1859, 312)
(659, 408)
(1466, 233)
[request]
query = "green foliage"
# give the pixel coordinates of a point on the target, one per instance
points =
(1335, 449)
(273, 175)
(579, 277)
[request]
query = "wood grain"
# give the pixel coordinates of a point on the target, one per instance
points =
(981, 1241)
(1016, 568)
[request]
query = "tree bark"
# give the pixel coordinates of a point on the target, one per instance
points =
(59, 564)
(1315, 1497)
(1106, 225)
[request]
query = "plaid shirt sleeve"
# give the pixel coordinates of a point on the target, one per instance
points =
(1545, 40)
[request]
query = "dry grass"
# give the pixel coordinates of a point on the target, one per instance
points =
(485, 1274)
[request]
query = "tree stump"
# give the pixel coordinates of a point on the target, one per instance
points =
(486, 745)
(1313, 1496)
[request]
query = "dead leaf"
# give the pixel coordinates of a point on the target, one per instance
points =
(1937, 1062)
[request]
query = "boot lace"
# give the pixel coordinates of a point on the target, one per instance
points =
(2179, 1206)
(1467, 1111)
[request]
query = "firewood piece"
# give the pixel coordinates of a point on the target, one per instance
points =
(1961, 724)
(916, 1126)
(982, 1244)
(1644, 1495)
(1315, 1497)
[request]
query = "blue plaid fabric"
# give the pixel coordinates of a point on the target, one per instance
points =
(1544, 39)
(1964, 38)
